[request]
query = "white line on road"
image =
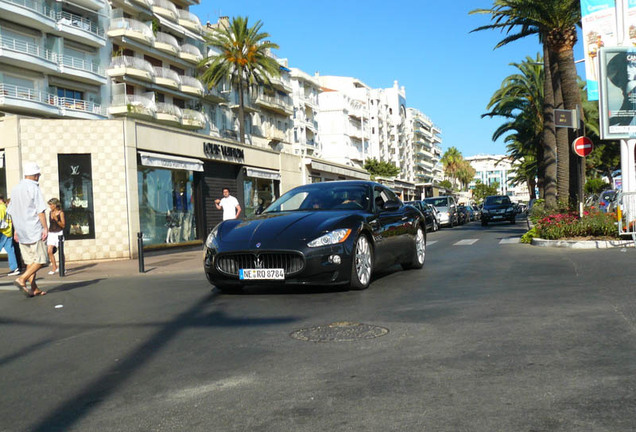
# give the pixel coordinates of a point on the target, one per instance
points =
(466, 242)
(428, 243)
(511, 240)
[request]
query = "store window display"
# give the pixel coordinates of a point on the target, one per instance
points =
(166, 205)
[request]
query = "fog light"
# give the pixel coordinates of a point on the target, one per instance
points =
(335, 259)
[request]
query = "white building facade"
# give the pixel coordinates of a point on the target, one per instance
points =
(498, 168)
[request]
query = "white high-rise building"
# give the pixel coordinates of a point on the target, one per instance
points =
(491, 169)
(425, 142)
(305, 91)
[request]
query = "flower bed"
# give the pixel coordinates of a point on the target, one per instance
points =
(566, 224)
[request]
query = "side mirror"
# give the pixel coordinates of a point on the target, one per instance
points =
(391, 205)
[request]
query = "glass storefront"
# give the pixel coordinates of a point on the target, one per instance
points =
(259, 193)
(76, 195)
(166, 205)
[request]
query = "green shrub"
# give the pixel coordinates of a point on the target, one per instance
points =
(567, 225)
(527, 237)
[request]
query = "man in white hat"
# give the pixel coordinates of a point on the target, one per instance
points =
(27, 209)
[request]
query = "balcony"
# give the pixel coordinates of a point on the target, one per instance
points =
(192, 119)
(31, 13)
(146, 4)
(165, 9)
(190, 53)
(133, 106)
(130, 66)
(215, 94)
(191, 85)
(82, 69)
(190, 21)
(282, 83)
(81, 29)
(248, 103)
(168, 114)
(274, 103)
(274, 134)
(166, 43)
(26, 55)
(133, 29)
(166, 77)
(29, 101)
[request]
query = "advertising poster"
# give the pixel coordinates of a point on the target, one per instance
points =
(598, 19)
(618, 92)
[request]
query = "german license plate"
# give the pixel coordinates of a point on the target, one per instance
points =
(261, 274)
(497, 217)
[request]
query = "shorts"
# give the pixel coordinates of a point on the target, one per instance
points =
(54, 238)
(34, 253)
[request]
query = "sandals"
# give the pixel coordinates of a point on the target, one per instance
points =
(26, 291)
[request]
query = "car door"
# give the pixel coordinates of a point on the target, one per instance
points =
(389, 228)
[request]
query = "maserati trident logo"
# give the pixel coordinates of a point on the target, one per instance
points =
(258, 245)
(258, 264)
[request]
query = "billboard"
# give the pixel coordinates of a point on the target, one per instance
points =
(598, 19)
(617, 102)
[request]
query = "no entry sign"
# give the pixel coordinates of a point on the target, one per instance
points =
(583, 146)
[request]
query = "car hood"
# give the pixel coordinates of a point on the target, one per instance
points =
(275, 229)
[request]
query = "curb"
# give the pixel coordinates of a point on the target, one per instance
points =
(583, 244)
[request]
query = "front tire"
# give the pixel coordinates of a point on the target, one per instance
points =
(435, 226)
(419, 255)
(361, 264)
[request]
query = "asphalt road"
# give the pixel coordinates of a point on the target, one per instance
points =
(491, 335)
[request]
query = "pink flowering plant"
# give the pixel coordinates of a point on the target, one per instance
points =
(565, 223)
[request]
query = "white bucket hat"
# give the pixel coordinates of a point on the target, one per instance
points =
(30, 168)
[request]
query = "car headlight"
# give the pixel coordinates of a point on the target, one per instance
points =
(209, 242)
(333, 237)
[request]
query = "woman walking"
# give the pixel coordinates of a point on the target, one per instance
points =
(57, 222)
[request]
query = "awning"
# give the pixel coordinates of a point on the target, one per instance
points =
(344, 171)
(170, 161)
(262, 173)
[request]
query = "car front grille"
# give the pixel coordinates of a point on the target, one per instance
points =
(229, 264)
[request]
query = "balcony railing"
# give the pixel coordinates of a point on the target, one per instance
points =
(133, 26)
(135, 104)
(193, 118)
(190, 53)
(169, 109)
(29, 94)
(88, 65)
(131, 62)
(7, 42)
(166, 39)
(165, 8)
(189, 20)
(36, 6)
(167, 74)
(193, 83)
(80, 22)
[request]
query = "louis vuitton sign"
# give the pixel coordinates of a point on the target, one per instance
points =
(215, 151)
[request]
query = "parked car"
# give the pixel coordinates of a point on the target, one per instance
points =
(331, 233)
(429, 212)
(463, 216)
(607, 200)
(476, 212)
(447, 209)
(498, 208)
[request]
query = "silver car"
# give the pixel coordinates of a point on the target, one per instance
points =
(447, 209)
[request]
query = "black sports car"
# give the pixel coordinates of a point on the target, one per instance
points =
(332, 233)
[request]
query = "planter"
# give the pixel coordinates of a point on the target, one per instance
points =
(583, 244)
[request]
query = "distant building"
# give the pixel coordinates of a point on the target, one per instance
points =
(498, 168)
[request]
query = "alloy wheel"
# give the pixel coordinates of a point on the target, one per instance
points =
(362, 260)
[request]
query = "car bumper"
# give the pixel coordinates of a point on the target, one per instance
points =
(317, 269)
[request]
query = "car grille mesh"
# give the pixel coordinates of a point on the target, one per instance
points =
(230, 264)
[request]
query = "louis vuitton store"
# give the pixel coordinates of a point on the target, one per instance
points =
(117, 178)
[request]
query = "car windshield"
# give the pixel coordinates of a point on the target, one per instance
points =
(338, 197)
(438, 202)
(497, 200)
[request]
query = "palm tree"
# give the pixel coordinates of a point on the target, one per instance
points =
(241, 55)
(451, 160)
(554, 21)
(520, 100)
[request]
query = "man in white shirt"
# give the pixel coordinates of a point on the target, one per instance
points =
(27, 209)
(229, 205)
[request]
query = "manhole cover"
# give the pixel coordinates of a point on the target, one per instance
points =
(340, 332)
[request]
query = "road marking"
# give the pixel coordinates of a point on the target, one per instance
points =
(511, 240)
(428, 243)
(466, 242)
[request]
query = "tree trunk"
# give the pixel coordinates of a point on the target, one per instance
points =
(571, 100)
(563, 148)
(549, 161)
(241, 113)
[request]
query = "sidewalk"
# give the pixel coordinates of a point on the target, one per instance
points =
(155, 263)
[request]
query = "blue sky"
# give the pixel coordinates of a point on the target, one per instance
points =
(449, 73)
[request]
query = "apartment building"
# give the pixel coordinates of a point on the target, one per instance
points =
(425, 142)
(498, 168)
(305, 91)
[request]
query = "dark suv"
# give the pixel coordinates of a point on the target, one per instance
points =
(498, 208)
